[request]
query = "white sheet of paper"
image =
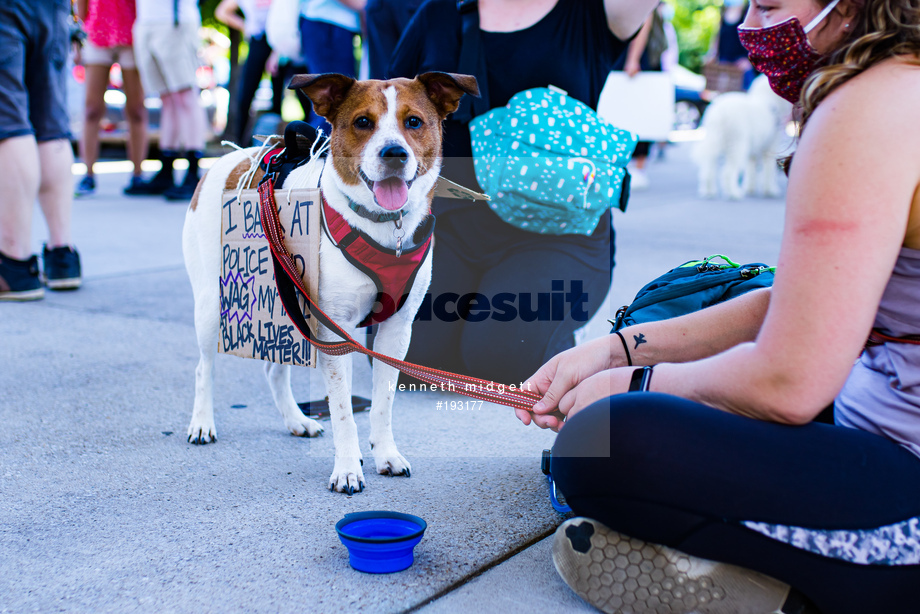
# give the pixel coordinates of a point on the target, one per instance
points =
(446, 188)
(643, 104)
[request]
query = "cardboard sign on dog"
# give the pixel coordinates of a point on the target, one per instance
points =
(253, 322)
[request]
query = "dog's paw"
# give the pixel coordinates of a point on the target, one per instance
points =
(347, 476)
(200, 433)
(391, 462)
(303, 426)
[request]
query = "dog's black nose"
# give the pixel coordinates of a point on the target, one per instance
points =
(394, 156)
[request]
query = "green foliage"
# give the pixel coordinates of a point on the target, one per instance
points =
(696, 22)
(207, 14)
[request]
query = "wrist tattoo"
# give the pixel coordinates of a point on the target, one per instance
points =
(639, 339)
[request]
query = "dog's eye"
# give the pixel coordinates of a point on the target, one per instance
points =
(413, 123)
(363, 123)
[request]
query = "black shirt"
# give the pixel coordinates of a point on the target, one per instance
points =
(571, 47)
(730, 48)
(386, 21)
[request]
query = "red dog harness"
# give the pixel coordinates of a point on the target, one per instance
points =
(393, 273)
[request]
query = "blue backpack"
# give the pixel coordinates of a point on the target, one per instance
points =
(693, 286)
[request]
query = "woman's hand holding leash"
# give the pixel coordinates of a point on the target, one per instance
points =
(590, 390)
(558, 379)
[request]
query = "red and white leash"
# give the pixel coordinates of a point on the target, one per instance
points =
(287, 278)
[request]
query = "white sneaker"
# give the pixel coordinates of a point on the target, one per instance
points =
(621, 575)
(639, 180)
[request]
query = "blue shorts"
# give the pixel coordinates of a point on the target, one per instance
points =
(327, 48)
(34, 44)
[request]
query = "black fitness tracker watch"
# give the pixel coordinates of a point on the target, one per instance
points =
(640, 380)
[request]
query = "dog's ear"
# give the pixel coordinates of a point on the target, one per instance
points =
(446, 89)
(326, 91)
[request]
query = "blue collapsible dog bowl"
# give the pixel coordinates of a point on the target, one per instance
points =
(380, 542)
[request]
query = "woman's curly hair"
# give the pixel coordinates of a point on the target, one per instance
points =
(880, 29)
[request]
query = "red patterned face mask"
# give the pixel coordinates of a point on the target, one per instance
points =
(784, 54)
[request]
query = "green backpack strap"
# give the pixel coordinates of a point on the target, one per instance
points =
(705, 261)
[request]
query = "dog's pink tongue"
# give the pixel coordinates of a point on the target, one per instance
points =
(391, 193)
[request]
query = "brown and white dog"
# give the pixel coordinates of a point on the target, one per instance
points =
(384, 156)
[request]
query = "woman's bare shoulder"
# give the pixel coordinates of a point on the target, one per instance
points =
(866, 133)
(882, 101)
(894, 81)
(897, 72)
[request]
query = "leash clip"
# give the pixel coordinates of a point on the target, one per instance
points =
(545, 461)
(268, 178)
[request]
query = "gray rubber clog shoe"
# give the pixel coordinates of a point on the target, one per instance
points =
(621, 575)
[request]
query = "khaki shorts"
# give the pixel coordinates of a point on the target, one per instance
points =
(106, 56)
(166, 56)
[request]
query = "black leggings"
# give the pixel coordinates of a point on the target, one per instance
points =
(250, 78)
(674, 472)
(249, 83)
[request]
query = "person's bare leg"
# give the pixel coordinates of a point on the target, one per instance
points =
(55, 192)
(191, 121)
(19, 183)
(169, 122)
(136, 113)
(162, 180)
(191, 118)
(97, 79)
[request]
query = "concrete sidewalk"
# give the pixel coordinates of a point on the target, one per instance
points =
(104, 507)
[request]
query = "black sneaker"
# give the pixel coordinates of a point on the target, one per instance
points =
(19, 279)
(136, 187)
(183, 191)
(157, 185)
(86, 187)
(62, 268)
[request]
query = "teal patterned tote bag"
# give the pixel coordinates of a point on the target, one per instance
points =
(550, 164)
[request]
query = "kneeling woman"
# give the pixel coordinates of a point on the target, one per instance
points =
(720, 456)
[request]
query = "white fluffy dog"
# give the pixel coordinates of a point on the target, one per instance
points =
(744, 132)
